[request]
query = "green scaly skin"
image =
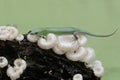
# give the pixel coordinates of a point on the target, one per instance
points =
(66, 30)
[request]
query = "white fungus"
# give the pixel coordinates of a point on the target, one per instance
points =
(98, 71)
(4, 34)
(90, 55)
(82, 40)
(73, 49)
(97, 63)
(77, 55)
(20, 63)
(77, 77)
(32, 38)
(13, 32)
(47, 43)
(20, 37)
(8, 33)
(3, 62)
(19, 70)
(67, 43)
(98, 68)
(58, 51)
(13, 73)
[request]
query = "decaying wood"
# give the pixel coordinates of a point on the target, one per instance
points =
(41, 64)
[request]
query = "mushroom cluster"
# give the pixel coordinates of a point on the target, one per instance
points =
(10, 33)
(15, 72)
(98, 68)
(74, 50)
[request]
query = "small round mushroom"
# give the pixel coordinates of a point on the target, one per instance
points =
(4, 33)
(12, 73)
(47, 43)
(67, 43)
(13, 32)
(58, 51)
(90, 55)
(15, 72)
(82, 40)
(20, 37)
(98, 71)
(20, 63)
(77, 55)
(97, 63)
(32, 38)
(3, 62)
(77, 77)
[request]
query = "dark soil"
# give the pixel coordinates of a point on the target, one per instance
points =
(41, 64)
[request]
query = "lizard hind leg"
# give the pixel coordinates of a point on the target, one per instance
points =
(75, 40)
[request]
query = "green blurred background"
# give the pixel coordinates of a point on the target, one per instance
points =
(96, 16)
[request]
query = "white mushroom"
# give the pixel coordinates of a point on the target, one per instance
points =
(3, 62)
(2, 28)
(13, 32)
(77, 77)
(32, 38)
(58, 51)
(47, 43)
(97, 63)
(20, 37)
(77, 55)
(4, 33)
(90, 55)
(67, 43)
(8, 33)
(98, 68)
(20, 63)
(13, 73)
(82, 40)
(98, 71)
(18, 70)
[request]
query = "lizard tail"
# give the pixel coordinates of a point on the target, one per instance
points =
(95, 35)
(107, 35)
